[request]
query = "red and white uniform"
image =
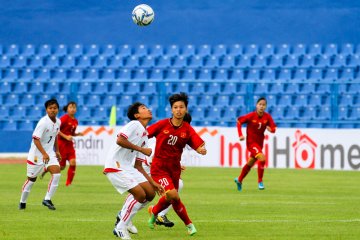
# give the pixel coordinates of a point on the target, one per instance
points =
(119, 165)
(46, 131)
(68, 127)
(170, 143)
(256, 126)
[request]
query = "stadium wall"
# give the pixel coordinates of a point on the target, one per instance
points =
(180, 22)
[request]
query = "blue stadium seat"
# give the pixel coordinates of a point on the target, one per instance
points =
(261, 88)
(101, 88)
(339, 61)
(292, 113)
(5, 87)
(19, 61)
(99, 61)
(205, 74)
(229, 114)
(324, 113)
(131, 62)
(9, 125)
(284, 100)
(44, 50)
(315, 74)
(315, 100)
(243, 61)
(110, 100)
(314, 49)
(309, 113)
(124, 74)
(307, 61)
(28, 50)
(27, 100)
(236, 50)
(156, 51)
(68, 62)
(182, 87)
(236, 74)
(330, 74)
(10, 75)
(275, 88)
(171, 74)
(108, 75)
(205, 101)
(108, 50)
(238, 101)
(213, 88)
(76, 50)
(84, 88)
(254, 74)
(125, 100)
(211, 62)
(299, 49)
(147, 61)
(93, 100)
(222, 101)
(285, 74)
(277, 112)
(267, 50)
(270, 100)
(132, 88)
(188, 74)
(354, 114)
(227, 61)
(4, 112)
(347, 49)
(116, 62)
(26, 125)
(18, 112)
(259, 61)
(83, 112)
(188, 50)
(140, 51)
(346, 74)
(91, 75)
(275, 61)
(36, 87)
(219, 50)
(12, 50)
(53, 87)
(80, 99)
(323, 88)
(230, 88)
(100, 114)
(214, 113)
(92, 50)
(143, 99)
(251, 50)
(354, 88)
(179, 61)
(75, 75)
(36, 112)
(197, 87)
(353, 61)
(343, 113)
(346, 100)
(300, 74)
(197, 113)
(35, 62)
(4, 61)
(60, 50)
(140, 74)
(117, 87)
(220, 74)
(124, 50)
(20, 87)
(164, 61)
(322, 61)
(306, 88)
(290, 61)
(173, 50)
(204, 50)
(51, 61)
(283, 50)
(269, 74)
(149, 88)
(330, 49)
(300, 100)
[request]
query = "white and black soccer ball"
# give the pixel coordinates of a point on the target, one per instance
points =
(143, 15)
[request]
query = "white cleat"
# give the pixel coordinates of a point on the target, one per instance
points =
(131, 228)
(122, 233)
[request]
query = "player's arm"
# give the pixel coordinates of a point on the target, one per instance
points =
(201, 150)
(138, 165)
(67, 137)
(56, 147)
(123, 142)
(241, 120)
(271, 125)
(196, 142)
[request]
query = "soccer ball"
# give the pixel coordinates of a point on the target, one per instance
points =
(143, 15)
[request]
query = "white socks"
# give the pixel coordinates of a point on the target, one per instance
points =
(130, 208)
(26, 190)
(53, 184)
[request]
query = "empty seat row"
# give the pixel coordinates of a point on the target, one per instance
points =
(173, 50)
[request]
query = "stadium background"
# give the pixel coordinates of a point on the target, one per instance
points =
(226, 53)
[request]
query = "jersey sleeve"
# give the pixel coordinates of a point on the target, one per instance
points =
(195, 141)
(271, 124)
(128, 129)
(39, 129)
(154, 129)
(241, 120)
(63, 120)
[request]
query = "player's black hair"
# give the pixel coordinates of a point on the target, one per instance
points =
(51, 102)
(67, 105)
(179, 97)
(262, 98)
(134, 109)
(187, 118)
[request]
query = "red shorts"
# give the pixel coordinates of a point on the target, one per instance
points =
(254, 149)
(67, 153)
(166, 176)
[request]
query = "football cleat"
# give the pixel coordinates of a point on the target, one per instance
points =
(121, 233)
(191, 229)
(49, 204)
(261, 186)
(131, 228)
(22, 206)
(163, 220)
(152, 218)
(238, 184)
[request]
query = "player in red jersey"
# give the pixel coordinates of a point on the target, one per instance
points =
(172, 134)
(257, 122)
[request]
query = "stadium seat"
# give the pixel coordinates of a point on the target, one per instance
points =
(26, 125)
(93, 100)
(83, 113)
(4, 62)
(99, 61)
(235, 50)
(354, 114)
(156, 74)
(308, 113)
(140, 51)
(267, 50)
(149, 88)
(220, 74)
(4, 112)
(10, 125)
(270, 100)
(81, 99)
(214, 88)
(36, 112)
(211, 62)
(284, 100)
(205, 101)
(292, 113)
(5, 87)
(354, 61)
(324, 113)
(28, 50)
(251, 50)
(346, 74)
(36, 87)
(116, 61)
(277, 112)
(76, 50)
(243, 61)
(173, 50)
(323, 88)
(204, 50)
(20, 87)
(124, 74)
(347, 49)
(143, 99)
(338, 61)
(188, 75)
(140, 74)
(197, 113)
(230, 88)
(12, 50)
(219, 50)
(346, 100)
(51, 61)
(315, 100)
(229, 114)
(179, 61)
(35, 62)
(68, 62)
(269, 74)
(18, 112)
(237, 74)
(315, 74)
(84, 88)
(194, 61)
(75, 75)
(322, 61)
(227, 61)
(330, 49)
(182, 87)
(197, 87)
(222, 101)
(204, 74)
(299, 49)
(253, 74)
(300, 100)
(109, 100)
(124, 50)
(19, 61)
(10, 75)
(285, 74)
(92, 50)
(91, 75)
(44, 50)
(163, 61)
(343, 113)
(188, 50)
(261, 88)
(259, 61)
(300, 74)
(131, 62)
(307, 61)
(330, 74)
(214, 113)
(132, 88)
(60, 50)
(125, 100)
(147, 61)
(314, 49)
(275, 88)
(27, 100)
(275, 61)
(290, 61)
(156, 51)
(283, 50)
(238, 101)
(108, 50)
(107, 75)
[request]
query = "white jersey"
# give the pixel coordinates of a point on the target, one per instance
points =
(119, 158)
(46, 131)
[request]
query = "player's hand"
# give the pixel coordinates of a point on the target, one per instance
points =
(201, 150)
(58, 156)
(160, 190)
(46, 158)
(146, 151)
(241, 138)
(69, 138)
(270, 129)
(80, 134)
(183, 168)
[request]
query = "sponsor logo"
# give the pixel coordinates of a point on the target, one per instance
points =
(305, 150)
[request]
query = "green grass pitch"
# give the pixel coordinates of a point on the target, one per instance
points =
(297, 204)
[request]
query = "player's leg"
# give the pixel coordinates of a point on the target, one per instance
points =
(261, 167)
(54, 169)
(32, 172)
(71, 171)
(245, 170)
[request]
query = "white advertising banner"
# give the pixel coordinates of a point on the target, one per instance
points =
(337, 149)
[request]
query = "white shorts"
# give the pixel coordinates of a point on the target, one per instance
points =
(34, 170)
(125, 180)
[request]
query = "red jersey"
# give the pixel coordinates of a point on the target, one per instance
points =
(68, 127)
(171, 140)
(256, 126)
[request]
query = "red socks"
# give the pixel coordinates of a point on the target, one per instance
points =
(261, 167)
(70, 175)
(180, 210)
(246, 169)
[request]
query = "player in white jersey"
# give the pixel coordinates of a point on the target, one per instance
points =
(44, 151)
(131, 144)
